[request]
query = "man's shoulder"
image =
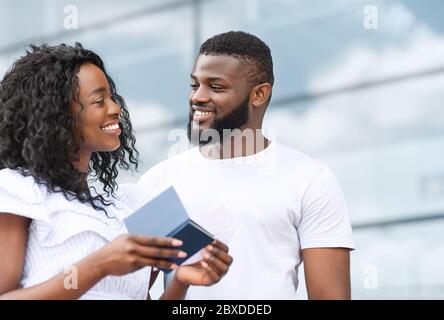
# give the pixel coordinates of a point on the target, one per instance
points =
(289, 156)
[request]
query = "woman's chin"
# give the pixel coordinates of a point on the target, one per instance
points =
(111, 148)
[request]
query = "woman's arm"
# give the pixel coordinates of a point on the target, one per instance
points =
(13, 239)
(123, 255)
(88, 273)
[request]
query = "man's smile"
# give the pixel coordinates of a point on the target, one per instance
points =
(202, 114)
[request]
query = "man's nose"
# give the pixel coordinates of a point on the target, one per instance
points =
(199, 96)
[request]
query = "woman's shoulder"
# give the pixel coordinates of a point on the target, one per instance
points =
(21, 194)
(21, 185)
(56, 217)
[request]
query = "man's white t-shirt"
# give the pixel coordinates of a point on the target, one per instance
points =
(281, 202)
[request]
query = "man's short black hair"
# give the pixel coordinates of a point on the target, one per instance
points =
(253, 53)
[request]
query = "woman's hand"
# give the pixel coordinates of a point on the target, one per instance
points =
(208, 271)
(128, 253)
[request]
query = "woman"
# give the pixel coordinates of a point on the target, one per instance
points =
(61, 120)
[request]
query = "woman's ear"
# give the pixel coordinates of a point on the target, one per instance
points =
(260, 95)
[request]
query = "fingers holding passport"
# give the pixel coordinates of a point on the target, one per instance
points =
(128, 253)
(156, 241)
(154, 251)
(217, 259)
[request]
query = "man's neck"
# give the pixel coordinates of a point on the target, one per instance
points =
(241, 143)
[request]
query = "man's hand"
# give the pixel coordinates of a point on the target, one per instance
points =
(208, 271)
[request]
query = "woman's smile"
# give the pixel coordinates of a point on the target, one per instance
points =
(113, 129)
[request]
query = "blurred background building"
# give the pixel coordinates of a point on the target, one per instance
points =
(359, 85)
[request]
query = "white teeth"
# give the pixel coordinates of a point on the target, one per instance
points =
(202, 113)
(111, 127)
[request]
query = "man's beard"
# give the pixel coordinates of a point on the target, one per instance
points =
(234, 120)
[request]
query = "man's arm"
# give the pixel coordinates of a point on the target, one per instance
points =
(327, 273)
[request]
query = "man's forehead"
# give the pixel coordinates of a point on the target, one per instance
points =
(218, 66)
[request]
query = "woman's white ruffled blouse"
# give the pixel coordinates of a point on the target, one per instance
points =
(63, 232)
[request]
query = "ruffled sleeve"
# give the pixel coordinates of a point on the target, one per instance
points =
(21, 195)
(56, 219)
(70, 218)
(76, 219)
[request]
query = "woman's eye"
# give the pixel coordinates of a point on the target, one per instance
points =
(100, 101)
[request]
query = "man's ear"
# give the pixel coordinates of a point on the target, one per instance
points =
(260, 95)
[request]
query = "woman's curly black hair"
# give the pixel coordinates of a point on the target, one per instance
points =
(37, 129)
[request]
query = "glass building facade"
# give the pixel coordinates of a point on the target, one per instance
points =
(359, 86)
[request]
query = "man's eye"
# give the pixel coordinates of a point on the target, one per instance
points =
(194, 86)
(100, 101)
(215, 87)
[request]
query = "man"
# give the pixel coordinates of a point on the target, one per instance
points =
(286, 207)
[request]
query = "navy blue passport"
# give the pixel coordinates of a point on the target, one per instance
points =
(166, 216)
